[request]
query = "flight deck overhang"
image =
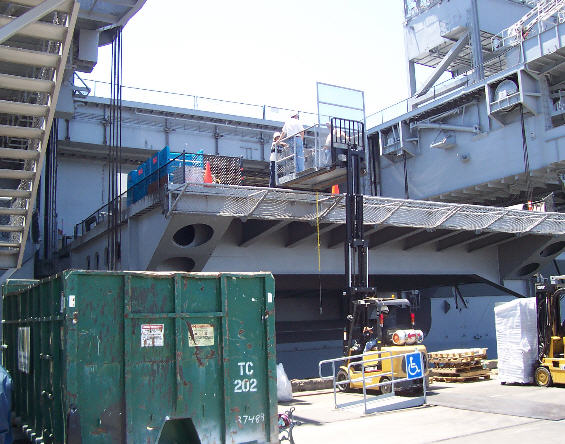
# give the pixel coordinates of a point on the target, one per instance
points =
(247, 228)
(279, 204)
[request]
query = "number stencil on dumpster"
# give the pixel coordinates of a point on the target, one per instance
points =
(152, 335)
(245, 384)
(200, 335)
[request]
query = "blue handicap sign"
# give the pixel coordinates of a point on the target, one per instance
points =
(414, 367)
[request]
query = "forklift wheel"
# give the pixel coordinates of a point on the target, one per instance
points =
(387, 388)
(542, 377)
(343, 376)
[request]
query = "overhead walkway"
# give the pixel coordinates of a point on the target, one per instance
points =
(273, 203)
(525, 240)
(35, 37)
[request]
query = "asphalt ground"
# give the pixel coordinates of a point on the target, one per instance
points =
(471, 412)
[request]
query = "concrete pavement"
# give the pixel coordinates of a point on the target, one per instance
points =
(476, 412)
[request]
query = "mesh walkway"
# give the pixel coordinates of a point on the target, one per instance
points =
(280, 204)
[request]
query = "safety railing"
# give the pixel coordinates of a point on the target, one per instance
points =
(412, 8)
(530, 24)
(184, 168)
(404, 106)
(98, 88)
(372, 375)
(296, 156)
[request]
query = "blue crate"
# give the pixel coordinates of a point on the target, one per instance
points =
(140, 186)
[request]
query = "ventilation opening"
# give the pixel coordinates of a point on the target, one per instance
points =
(176, 264)
(193, 235)
(552, 249)
(528, 269)
(178, 431)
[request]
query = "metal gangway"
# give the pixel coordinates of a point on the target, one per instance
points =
(324, 155)
(377, 371)
(517, 32)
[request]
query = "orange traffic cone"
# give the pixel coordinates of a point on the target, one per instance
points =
(335, 189)
(207, 174)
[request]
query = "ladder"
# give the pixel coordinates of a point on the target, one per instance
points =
(543, 10)
(35, 37)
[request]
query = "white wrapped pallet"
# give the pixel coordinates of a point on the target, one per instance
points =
(517, 340)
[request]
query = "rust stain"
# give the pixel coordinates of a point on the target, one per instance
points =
(180, 374)
(241, 332)
(197, 348)
(198, 358)
(249, 346)
(235, 410)
(98, 431)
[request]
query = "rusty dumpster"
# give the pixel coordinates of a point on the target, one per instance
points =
(139, 357)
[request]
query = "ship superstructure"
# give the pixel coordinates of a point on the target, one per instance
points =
(442, 168)
(492, 133)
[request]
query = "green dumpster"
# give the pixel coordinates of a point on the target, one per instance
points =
(135, 357)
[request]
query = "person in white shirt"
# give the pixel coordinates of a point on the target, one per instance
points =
(294, 129)
(276, 147)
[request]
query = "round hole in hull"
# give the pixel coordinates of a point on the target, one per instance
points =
(193, 235)
(528, 269)
(552, 249)
(176, 264)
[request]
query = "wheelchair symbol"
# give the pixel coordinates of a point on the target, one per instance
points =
(414, 366)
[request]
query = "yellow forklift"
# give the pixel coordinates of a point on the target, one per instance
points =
(383, 331)
(550, 297)
(385, 324)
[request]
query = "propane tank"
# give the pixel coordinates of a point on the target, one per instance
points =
(407, 337)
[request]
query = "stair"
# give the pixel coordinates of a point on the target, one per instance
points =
(35, 37)
(515, 33)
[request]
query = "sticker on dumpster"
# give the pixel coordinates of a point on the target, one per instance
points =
(23, 348)
(200, 335)
(152, 335)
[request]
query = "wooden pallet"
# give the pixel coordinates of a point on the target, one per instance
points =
(458, 365)
(459, 378)
(461, 363)
(458, 371)
(479, 371)
(459, 353)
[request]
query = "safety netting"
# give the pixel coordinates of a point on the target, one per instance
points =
(281, 204)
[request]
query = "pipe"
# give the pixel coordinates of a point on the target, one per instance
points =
(441, 126)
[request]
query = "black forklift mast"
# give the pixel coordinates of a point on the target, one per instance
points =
(348, 150)
(548, 295)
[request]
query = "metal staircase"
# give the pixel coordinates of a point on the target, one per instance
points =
(514, 34)
(544, 10)
(35, 37)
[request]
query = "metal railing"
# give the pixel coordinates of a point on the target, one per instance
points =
(367, 366)
(184, 168)
(100, 88)
(530, 24)
(315, 152)
(402, 107)
(412, 8)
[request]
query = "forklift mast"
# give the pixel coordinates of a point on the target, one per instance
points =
(348, 150)
(548, 301)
